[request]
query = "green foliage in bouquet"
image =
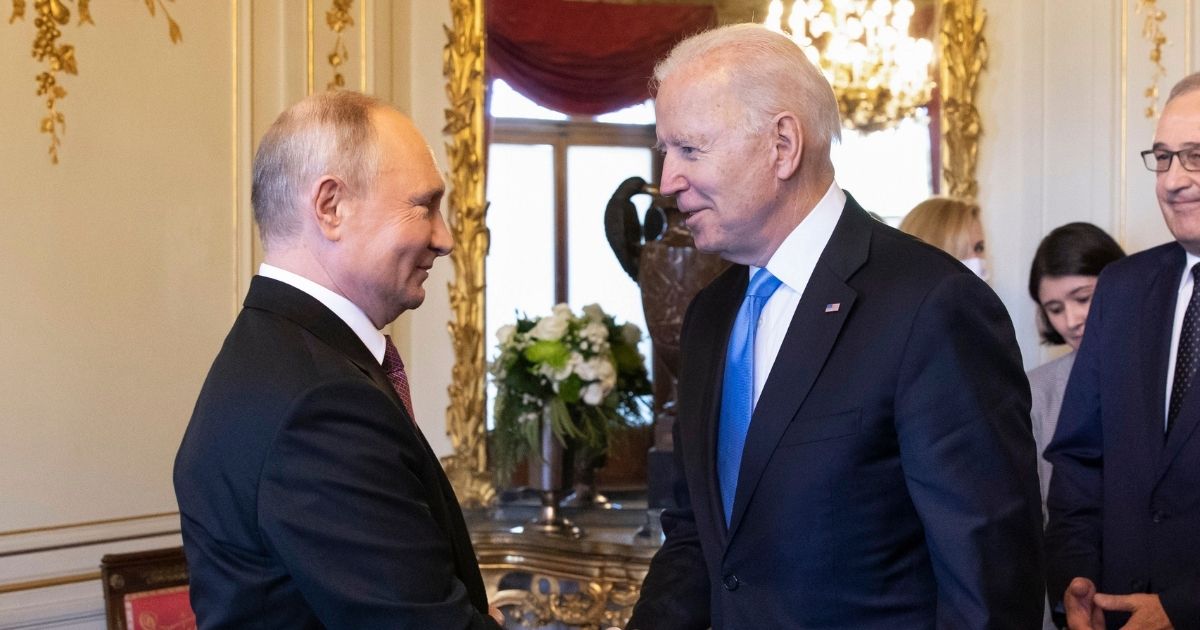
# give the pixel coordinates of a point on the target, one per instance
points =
(586, 370)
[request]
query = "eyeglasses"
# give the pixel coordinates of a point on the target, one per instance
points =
(1159, 160)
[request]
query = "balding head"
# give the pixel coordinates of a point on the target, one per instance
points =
(1186, 85)
(331, 133)
(769, 73)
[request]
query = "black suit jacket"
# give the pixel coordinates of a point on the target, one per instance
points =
(888, 479)
(308, 497)
(1124, 500)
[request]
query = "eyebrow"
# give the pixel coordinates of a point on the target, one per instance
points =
(677, 140)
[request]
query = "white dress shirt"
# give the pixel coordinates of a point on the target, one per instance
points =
(346, 310)
(793, 264)
(1186, 286)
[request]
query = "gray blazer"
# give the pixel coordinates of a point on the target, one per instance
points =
(1047, 383)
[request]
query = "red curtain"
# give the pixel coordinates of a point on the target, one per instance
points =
(584, 58)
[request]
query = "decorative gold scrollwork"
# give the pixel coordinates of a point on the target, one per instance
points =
(1152, 31)
(462, 65)
(595, 605)
(60, 58)
(338, 18)
(963, 58)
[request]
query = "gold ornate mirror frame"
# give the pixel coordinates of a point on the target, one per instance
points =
(962, 55)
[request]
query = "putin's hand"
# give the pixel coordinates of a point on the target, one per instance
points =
(1145, 611)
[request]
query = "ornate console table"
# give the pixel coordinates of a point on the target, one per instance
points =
(551, 582)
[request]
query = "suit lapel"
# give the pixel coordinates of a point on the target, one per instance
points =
(1150, 378)
(806, 346)
(309, 313)
(1163, 294)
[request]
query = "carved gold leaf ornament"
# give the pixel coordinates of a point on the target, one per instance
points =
(962, 55)
(963, 58)
(59, 58)
(338, 17)
(462, 65)
(1153, 33)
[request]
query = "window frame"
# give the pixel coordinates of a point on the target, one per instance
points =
(560, 135)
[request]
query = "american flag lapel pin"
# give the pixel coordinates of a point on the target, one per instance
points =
(833, 308)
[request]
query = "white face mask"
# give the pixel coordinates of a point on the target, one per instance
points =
(978, 266)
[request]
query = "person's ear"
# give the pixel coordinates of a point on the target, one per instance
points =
(328, 194)
(788, 144)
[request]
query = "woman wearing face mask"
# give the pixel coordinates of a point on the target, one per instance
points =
(951, 225)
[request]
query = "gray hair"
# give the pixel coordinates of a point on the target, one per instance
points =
(769, 73)
(330, 133)
(1187, 84)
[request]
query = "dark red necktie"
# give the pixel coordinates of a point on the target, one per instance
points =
(393, 366)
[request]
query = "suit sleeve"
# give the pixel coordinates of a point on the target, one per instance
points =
(1181, 602)
(962, 419)
(675, 594)
(1076, 486)
(343, 504)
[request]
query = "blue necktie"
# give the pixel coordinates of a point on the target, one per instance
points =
(737, 390)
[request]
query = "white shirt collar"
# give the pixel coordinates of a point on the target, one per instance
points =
(346, 310)
(1190, 262)
(794, 261)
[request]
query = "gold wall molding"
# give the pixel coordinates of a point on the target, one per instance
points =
(963, 55)
(1152, 32)
(103, 521)
(62, 580)
(72, 549)
(462, 65)
(60, 57)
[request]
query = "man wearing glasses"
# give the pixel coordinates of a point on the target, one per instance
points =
(1123, 542)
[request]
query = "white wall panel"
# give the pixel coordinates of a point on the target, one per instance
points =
(1062, 105)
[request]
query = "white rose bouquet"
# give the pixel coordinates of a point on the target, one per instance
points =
(585, 370)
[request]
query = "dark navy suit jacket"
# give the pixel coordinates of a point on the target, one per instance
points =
(889, 475)
(1124, 499)
(308, 497)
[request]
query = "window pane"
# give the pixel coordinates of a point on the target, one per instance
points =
(640, 114)
(594, 275)
(520, 261)
(509, 103)
(888, 171)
